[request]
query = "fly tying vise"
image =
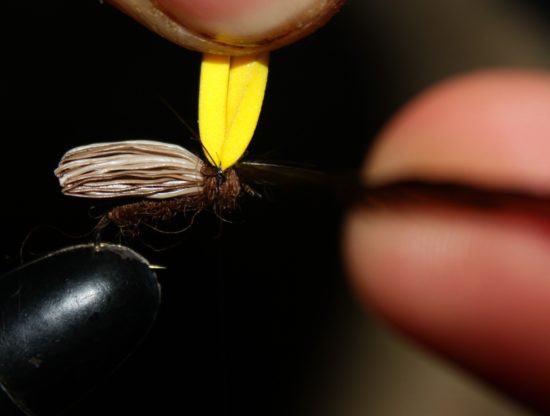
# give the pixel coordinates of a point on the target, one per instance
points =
(167, 178)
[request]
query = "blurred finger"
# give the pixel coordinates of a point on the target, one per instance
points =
(473, 284)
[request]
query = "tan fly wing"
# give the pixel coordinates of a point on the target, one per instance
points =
(133, 168)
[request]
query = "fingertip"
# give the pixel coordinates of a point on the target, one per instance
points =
(473, 286)
(232, 27)
(487, 128)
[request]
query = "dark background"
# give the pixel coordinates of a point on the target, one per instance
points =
(244, 303)
(255, 312)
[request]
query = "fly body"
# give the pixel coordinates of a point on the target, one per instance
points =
(163, 179)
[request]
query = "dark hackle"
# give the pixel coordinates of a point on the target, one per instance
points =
(221, 188)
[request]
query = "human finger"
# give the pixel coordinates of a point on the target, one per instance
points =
(233, 27)
(472, 284)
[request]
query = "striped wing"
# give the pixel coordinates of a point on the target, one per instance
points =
(132, 168)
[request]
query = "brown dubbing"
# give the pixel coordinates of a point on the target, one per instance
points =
(220, 191)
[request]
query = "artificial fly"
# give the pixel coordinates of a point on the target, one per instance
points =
(161, 180)
(166, 178)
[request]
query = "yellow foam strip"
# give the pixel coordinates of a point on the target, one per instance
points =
(213, 105)
(231, 95)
